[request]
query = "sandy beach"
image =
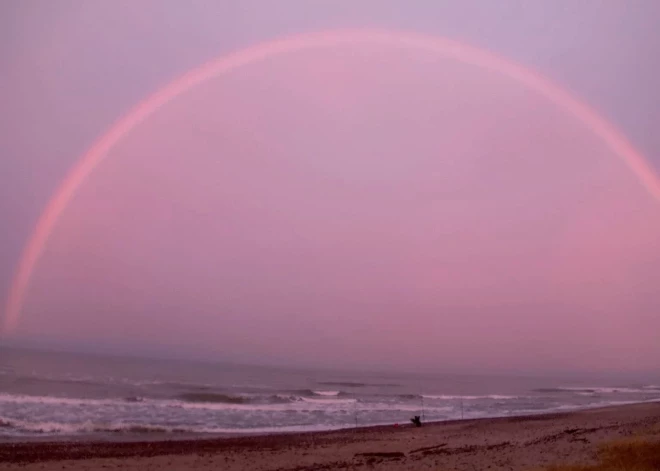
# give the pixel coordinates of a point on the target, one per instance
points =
(519, 443)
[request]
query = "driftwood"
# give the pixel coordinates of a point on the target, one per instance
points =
(425, 449)
(382, 454)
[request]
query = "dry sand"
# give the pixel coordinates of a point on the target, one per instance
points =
(520, 443)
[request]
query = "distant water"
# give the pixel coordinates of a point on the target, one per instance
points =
(63, 394)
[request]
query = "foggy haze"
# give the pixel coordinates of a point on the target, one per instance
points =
(355, 205)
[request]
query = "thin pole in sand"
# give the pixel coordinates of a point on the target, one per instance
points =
(422, 398)
(461, 406)
(355, 404)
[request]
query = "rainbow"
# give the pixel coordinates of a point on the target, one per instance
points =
(441, 46)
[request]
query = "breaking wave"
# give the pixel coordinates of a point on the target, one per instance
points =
(213, 397)
(449, 397)
(328, 400)
(51, 427)
(352, 384)
(344, 384)
(599, 390)
(133, 428)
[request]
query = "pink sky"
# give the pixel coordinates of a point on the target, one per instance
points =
(359, 205)
(356, 199)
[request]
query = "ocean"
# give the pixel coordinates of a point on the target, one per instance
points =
(66, 395)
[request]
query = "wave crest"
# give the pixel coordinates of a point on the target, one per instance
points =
(496, 397)
(212, 397)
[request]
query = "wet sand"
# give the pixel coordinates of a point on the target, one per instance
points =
(518, 443)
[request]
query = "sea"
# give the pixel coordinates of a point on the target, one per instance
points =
(55, 395)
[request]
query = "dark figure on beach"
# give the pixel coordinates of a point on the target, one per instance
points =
(417, 421)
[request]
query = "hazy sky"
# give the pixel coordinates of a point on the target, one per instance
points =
(357, 205)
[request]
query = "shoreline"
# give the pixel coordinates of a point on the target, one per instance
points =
(399, 447)
(105, 438)
(120, 437)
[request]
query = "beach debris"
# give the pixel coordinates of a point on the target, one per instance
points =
(428, 448)
(417, 421)
(569, 433)
(382, 454)
(441, 450)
